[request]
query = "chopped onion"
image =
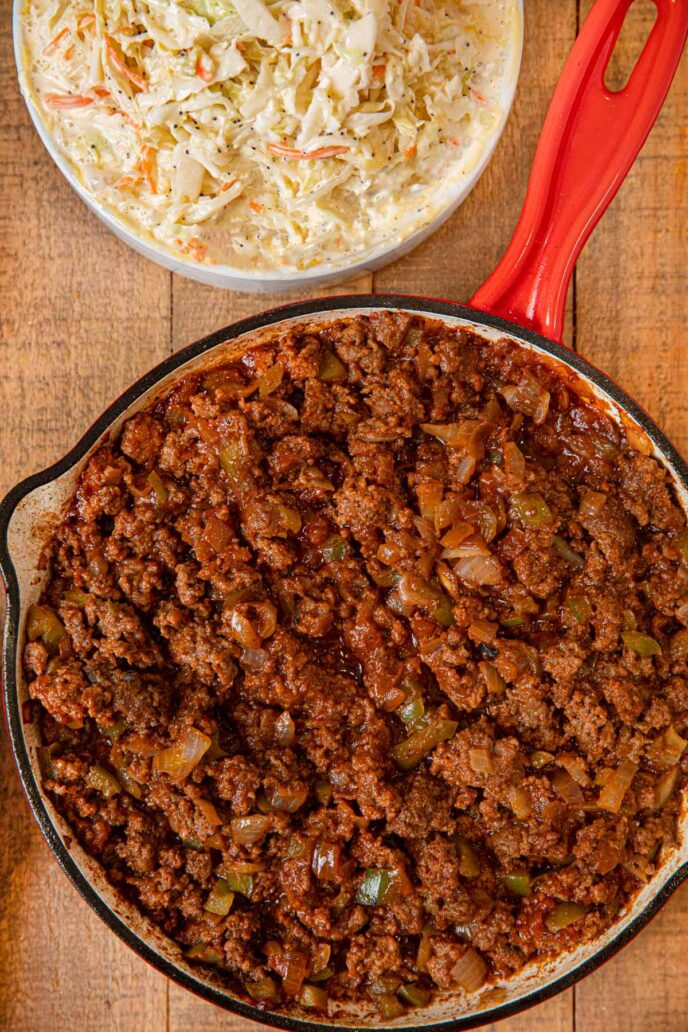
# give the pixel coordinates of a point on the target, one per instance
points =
(429, 496)
(254, 659)
(480, 761)
(667, 749)
(591, 503)
(216, 533)
(541, 408)
(263, 990)
(480, 570)
(209, 812)
(232, 867)
(470, 971)
(567, 553)
(415, 590)
(483, 631)
(286, 797)
(613, 793)
(472, 549)
(664, 789)
(270, 380)
(264, 617)
(494, 682)
(465, 468)
(313, 997)
(243, 630)
(180, 759)
(285, 732)
(466, 436)
(295, 967)
(207, 954)
(247, 831)
(320, 958)
(326, 862)
(568, 789)
(521, 803)
(574, 766)
(424, 953)
(514, 463)
(331, 368)
(459, 533)
(159, 489)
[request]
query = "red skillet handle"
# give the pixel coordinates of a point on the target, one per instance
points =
(590, 140)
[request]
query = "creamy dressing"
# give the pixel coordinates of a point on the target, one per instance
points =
(270, 136)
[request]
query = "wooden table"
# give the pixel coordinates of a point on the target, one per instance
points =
(81, 316)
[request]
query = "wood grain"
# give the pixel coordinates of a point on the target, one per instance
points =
(81, 316)
(631, 316)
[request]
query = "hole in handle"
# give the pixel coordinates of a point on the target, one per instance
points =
(634, 34)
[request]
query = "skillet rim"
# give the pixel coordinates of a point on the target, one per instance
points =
(430, 307)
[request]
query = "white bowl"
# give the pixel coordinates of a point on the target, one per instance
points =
(447, 199)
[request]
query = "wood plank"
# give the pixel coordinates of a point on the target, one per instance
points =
(81, 315)
(555, 1015)
(199, 310)
(632, 309)
(454, 261)
(642, 989)
(632, 277)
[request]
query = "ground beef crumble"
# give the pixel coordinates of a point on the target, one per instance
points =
(362, 665)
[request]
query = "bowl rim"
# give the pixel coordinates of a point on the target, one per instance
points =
(431, 308)
(234, 278)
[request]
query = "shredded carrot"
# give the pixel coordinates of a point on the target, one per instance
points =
(68, 54)
(128, 182)
(123, 67)
(478, 94)
(85, 20)
(101, 91)
(227, 186)
(410, 151)
(455, 140)
(379, 70)
(283, 151)
(54, 43)
(255, 206)
(195, 247)
(203, 70)
(61, 101)
(147, 166)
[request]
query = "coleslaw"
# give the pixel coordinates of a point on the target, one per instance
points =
(269, 134)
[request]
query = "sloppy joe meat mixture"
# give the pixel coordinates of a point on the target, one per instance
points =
(361, 667)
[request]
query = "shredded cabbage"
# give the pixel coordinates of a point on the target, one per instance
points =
(269, 134)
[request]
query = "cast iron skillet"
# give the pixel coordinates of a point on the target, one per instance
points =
(590, 139)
